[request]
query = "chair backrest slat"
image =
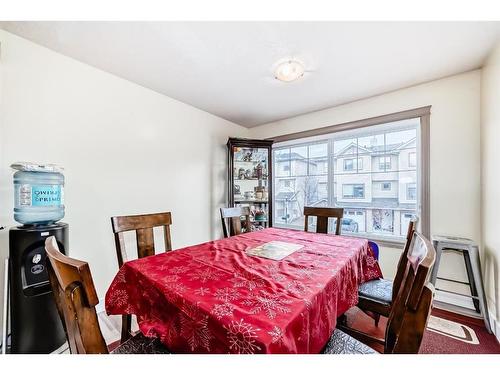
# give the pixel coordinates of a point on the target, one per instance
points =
(75, 298)
(322, 214)
(233, 215)
(408, 303)
(403, 259)
(145, 242)
(143, 226)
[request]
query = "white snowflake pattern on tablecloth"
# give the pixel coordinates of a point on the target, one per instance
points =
(296, 287)
(247, 280)
(305, 256)
(277, 335)
(325, 263)
(120, 278)
(241, 337)
(205, 274)
(194, 327)
(170, 278)
(172, 332)
(305, 328)
(307, 303)
(270, 303)
(274, 272)
(119, 298)
(174, 291)
(305, 273)
(202, 291)
(223, 309)
(227, 294)
(178, 269)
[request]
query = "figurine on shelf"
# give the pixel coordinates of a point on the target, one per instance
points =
(237, 190)
(248, 174)
(248, 156)
(264, 194)
(241, 173)
(249, 195)
(259, 170)
(260, 214)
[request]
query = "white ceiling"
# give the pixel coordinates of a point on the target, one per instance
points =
(226, 68)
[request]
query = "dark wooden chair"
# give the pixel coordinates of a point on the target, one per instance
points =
(143, 226)
(76, 298)
(376, 296)
(411, 308)
(231, 220)
(322, 214)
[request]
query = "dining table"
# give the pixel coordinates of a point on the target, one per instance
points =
(223, 296)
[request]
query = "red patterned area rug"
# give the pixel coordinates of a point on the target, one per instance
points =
(447, 333)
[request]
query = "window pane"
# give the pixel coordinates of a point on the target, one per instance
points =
(373, 177)
(305, 184)
(318, 150)
(282, 162)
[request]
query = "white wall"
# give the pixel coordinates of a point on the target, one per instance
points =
(490, 179)
(454, 159)
(126, 150)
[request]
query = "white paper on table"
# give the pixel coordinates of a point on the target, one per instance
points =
(275, 250)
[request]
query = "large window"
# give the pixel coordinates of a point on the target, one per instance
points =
(372, 172)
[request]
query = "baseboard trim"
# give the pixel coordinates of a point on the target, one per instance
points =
(495, 327)
(101, 307)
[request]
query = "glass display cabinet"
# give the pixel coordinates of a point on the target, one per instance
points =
(250, 178)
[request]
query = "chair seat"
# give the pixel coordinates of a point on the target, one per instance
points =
(140, 344)
(341, 343)
(377, 290)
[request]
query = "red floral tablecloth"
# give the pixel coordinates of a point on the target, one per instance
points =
(215, 298)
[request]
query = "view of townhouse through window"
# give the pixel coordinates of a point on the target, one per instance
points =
(371, 172)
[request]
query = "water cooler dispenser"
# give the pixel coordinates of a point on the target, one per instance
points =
(35, 325)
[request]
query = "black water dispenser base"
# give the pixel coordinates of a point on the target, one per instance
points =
(35, 323)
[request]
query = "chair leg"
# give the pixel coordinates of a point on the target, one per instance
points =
(126, 327)
(376, 317)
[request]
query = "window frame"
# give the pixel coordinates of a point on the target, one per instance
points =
(384, 163)
(351, 160)
(382, 188)
(410, 164)
(353, 197)
(423, 147)
(414, 186)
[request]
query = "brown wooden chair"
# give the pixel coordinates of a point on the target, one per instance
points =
(322, 214)
(76, 298)
(231, 220)
(143, 226)
(376, 296)
(411, 308)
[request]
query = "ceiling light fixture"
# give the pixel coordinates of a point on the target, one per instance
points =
(289, 71)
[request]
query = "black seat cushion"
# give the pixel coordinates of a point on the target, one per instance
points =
(341, 343)
(379, 290)
(140, 344)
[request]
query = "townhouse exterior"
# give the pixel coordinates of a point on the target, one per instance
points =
(376, 185)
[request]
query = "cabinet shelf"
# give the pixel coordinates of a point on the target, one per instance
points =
(250, 201)
(251, 179)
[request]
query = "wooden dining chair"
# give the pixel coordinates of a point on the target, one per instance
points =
(375, 297)
(410, 332)
(412, 306)
(143, 226)
(322, 214)
(231, 220)
(76, 298)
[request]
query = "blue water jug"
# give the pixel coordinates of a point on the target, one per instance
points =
(38, 194)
